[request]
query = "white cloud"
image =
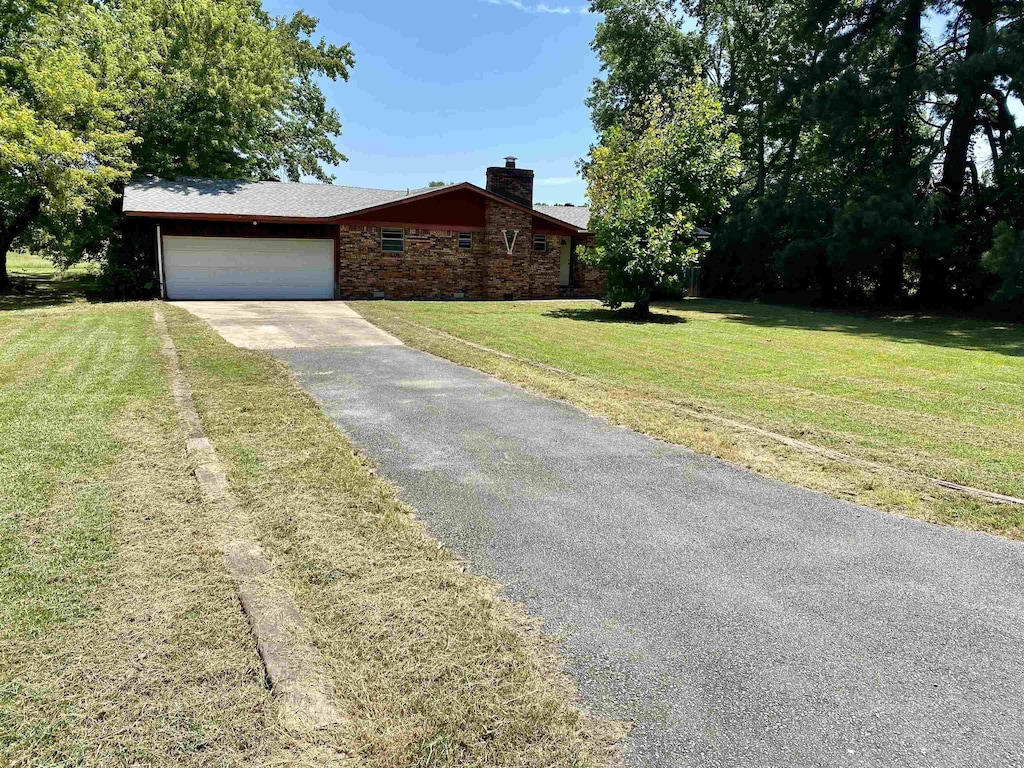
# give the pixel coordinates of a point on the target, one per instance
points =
(556, 181)
(561, 10)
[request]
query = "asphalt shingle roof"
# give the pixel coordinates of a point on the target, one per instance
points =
(283, 199)
(579, 216)
(576, 215)
(253, 198)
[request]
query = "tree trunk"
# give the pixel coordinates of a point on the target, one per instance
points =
(642, 308)
(5, 279)
(965, 111)
(798, 128)
(890, 288)
(963, 124)
(890, 280)
(826, 282)
(762, 170)
(9, 233)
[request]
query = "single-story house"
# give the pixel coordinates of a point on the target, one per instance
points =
(216, 239)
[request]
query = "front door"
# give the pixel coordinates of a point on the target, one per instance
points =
(563, 264)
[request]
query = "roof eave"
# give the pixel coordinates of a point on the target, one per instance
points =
(260, 218)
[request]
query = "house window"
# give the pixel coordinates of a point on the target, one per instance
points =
(465, 241)
(540, 242)
(392, 240)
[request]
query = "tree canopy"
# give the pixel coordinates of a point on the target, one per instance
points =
(665, 159)
(668, 165)
(879, 142)
(93, 93)
(63, 146)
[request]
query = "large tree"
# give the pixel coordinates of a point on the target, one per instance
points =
(643, 53)
(63, 145)
(833, 125)
(228, 91)
(666, 168)
(97, 91)
(879, 137)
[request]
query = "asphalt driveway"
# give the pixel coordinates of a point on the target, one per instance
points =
(735, 620)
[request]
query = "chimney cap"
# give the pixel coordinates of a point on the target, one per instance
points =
(510, 161)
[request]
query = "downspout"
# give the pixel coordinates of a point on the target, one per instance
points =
(160, 262)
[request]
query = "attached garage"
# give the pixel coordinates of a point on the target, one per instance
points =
(248, 268)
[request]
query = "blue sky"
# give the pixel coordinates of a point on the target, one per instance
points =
(441, 90)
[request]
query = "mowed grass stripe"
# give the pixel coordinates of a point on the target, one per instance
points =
(53, 450)
(821, 366)
(120, 637)
(939, 398)
(658, 360)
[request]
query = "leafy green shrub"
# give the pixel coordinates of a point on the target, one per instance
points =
(1006, 260)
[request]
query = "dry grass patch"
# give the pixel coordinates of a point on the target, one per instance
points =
(431, 665)
(121, 640)
(940, 398)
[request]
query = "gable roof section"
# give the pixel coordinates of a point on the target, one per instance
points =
(438, 191)
(283, 201)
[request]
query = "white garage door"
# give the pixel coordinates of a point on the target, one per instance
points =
(248, 268)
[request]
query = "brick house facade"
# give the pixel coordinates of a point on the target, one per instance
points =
(455, 242)
(432, 266)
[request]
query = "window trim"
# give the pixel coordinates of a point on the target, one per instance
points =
(458, 239)
(393, 238)
(543, 240)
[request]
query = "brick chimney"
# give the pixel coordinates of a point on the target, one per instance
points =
(515, 184)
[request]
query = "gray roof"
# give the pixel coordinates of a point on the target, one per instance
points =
(227, 197)
(579, 216)
(576, 215)
(254, 198)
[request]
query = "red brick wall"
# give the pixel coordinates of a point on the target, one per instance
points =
(432, 266)
(523, 274)
(589, 281)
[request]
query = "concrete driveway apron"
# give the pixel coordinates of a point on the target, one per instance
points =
(288, 324)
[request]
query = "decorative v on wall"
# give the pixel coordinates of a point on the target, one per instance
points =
(510, 244)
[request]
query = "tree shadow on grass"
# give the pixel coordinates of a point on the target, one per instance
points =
(605, 315)
(1005, 338)
(35, 290)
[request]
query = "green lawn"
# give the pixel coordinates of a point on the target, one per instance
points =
(38, 284)
(121, 637)
(938, 397)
